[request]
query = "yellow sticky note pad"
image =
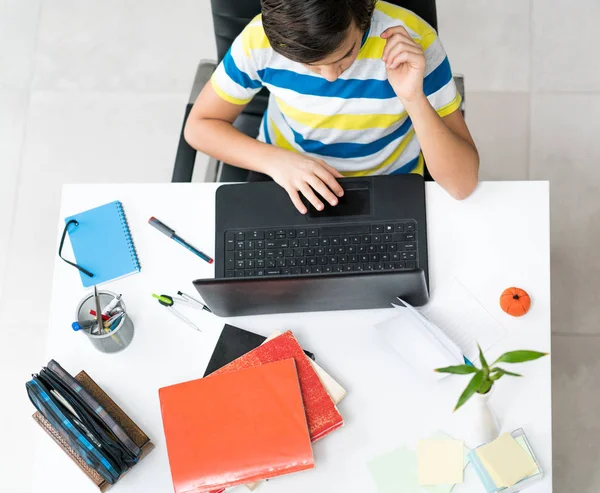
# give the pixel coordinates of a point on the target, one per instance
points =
(506, 461)
(440, 462)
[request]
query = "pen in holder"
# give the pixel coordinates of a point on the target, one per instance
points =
(112, 339)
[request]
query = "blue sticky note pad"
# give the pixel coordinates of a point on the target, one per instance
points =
(102, 244)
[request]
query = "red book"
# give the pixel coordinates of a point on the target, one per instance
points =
(235, 428)
(321, 414)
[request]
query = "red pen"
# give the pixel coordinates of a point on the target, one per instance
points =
(104, 317)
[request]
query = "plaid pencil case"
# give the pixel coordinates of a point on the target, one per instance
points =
(86, 399)
(82, 422)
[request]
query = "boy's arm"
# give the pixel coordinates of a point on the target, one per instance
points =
(209, 129)
(447, 145)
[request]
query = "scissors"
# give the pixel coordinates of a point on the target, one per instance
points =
(169, 302)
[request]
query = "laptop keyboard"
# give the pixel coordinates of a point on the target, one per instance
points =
(321, 250)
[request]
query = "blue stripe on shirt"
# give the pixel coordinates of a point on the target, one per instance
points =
(350, 149)
(438, 78)
(407, 168)
(349, 88)
(318, 86)
(237, 75)
(266, 126)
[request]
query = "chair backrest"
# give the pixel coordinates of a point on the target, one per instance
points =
(231, 16)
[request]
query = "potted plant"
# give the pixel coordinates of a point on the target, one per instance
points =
(484, 426)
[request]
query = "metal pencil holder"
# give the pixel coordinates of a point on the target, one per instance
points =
(110, 342)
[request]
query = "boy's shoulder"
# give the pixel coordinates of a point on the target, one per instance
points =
(388, 15)
(253, 37)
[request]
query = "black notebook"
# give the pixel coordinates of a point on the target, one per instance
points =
(233, 343)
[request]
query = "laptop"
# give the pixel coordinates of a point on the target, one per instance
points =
(363, 253)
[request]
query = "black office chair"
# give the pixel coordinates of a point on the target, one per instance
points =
(229, 19)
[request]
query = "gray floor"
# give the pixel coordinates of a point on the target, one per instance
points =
(94, 91)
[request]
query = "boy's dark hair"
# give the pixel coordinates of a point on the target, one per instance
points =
(307, 31)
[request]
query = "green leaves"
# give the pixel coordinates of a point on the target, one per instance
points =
(473, 386)
(498, 373)
(458, 370)
(519, 356)
(505, 372)
(484, 378)
(484, 364)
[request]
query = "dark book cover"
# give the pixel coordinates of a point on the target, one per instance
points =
(233, 343)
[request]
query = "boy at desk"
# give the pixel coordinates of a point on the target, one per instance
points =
(357, 87)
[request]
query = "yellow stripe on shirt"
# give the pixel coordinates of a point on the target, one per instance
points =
(419, 169)
(341, 121)
(408, 18)
(373, 47)
(280, 140)
(391, 158)
(254, 37)
(451, 107)
(223, 95)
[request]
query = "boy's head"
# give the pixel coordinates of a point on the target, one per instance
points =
(324, 35)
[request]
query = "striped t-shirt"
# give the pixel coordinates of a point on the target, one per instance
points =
(356, 123)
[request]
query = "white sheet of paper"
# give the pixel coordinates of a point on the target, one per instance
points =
(415, 344)
(462, 318)
(437, 334)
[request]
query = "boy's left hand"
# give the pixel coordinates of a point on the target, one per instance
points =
(405, 63)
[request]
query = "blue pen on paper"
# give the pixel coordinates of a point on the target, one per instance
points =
(163, 228)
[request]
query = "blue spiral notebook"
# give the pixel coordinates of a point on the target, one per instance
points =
(102, 244)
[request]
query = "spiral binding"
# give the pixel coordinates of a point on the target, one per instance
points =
(130, 244)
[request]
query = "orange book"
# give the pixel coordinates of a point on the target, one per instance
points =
(235, 428)
(321, 414)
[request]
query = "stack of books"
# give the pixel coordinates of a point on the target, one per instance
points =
(253, 416)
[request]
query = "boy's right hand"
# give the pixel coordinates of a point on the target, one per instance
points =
(304, 174)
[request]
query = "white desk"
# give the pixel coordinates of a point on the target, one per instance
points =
(499, 237)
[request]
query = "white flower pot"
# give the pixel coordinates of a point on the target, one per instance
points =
(479, 422)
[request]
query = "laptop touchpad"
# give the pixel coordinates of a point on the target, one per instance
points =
(356, 201)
